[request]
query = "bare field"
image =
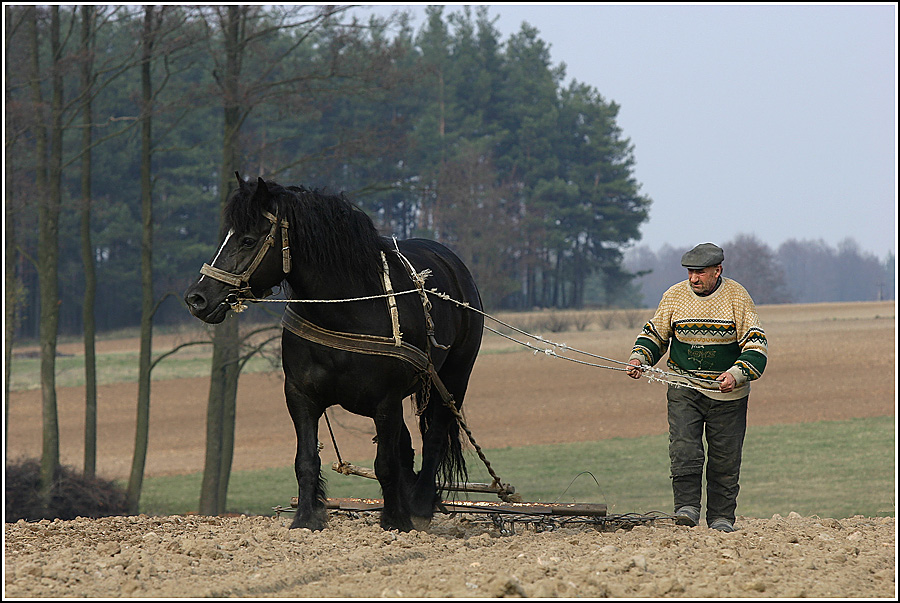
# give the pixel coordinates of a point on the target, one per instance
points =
(826, 362)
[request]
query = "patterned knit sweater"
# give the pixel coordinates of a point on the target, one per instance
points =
(709, 335)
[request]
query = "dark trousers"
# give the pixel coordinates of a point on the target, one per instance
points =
(725, 423)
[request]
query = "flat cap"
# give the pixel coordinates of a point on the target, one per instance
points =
(702, 256)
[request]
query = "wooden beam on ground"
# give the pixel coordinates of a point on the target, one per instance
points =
(350, 469)
(476, 506)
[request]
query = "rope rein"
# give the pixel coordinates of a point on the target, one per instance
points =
(652, 373)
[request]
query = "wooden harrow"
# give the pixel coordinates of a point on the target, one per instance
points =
(505, 516)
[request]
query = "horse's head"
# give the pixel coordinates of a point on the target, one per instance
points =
(253, 257)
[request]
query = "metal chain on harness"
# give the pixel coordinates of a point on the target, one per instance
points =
(506, 492)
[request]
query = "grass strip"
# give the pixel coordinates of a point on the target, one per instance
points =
(120, 367)
(830, 469)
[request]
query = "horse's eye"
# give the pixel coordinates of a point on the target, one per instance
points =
(248, 242)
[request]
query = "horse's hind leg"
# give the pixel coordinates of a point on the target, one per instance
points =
(442, 456)
(311, 511)
(435, 446)
(393, 465)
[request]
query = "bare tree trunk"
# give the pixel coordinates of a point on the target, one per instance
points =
(11, 296)
(233, 22)
(12, 290)
(10, 300)
(135, 482)
(229, 416)
(220, 418)
(87, 251)
(225, 367)
(48, 189)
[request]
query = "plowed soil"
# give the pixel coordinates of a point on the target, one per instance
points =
(827, 362)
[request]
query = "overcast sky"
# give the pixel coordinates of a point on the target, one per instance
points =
(773, 120)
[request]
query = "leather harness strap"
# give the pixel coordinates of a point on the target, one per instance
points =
(353, 342)
(392, 301)
(364, 344)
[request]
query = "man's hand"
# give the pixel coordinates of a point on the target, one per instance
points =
(726, 382)
(634, 371)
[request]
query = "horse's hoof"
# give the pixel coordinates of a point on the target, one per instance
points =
(314, 526)
(314, 523)
(400, 525)
(421, 523)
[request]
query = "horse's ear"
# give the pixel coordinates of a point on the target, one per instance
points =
(241, 184)
(262, 196)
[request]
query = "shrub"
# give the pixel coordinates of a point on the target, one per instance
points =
(637, 317)
(72, 495)
(582, 320)
(607, 318)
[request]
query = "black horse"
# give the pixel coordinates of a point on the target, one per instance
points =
(396, 345)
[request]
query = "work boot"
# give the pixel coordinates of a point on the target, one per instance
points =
(721, 524)
(687, 516)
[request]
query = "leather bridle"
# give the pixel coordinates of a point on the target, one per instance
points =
(241, 282)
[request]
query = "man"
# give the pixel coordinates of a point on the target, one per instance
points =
(717, 348)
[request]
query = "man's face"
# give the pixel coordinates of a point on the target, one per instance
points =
(703, 280)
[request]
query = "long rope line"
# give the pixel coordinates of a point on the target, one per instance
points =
(650, 372)
(328, 301)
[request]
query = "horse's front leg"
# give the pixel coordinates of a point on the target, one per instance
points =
(311, 512)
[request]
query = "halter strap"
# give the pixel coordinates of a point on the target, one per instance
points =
(242, 281)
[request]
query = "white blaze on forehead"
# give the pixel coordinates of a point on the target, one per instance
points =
(219, 252)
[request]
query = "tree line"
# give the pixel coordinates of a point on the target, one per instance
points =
(797, 271)
(448, 133)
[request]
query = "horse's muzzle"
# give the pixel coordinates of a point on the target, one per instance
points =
(200, 307)
(195, 301)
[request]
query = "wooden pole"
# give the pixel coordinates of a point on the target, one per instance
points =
(349, 469)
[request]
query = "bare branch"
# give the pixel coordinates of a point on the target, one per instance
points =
(177, 348)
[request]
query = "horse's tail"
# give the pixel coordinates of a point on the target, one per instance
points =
(434, 413)
(452, 468)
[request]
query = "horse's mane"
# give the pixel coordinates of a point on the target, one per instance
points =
(325, 229)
